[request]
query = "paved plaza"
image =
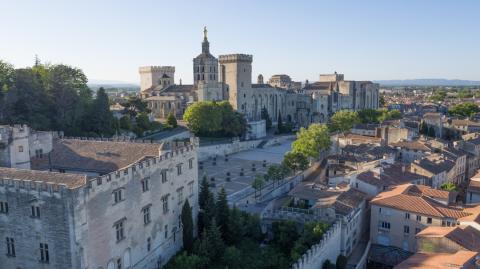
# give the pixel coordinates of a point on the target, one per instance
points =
(235, 172)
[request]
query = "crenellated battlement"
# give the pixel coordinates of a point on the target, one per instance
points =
(154, 69)
(317, 254)
(231, 58)
(42, 187)
(140, 166)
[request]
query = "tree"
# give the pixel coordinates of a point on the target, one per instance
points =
(311, 141)
(343, 120)
(257, 184)
(236, 227)
(187, 225)
(185, 261)
(284, 235)
(134, 106)
(171, 120)
(464, 110)
(341, 262)
(423, 128)
(266, 117)
(204, 193)
(125, 123)
(368, 115)
(215, 244)
(296, 161)
(431, 131)
(449, 186)
(279, 123)
(232, 258)
(328, 265)
(222, 212)
(99, 118)
(381, 100)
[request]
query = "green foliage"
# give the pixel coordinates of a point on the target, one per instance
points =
(431, 131)
(343, 120)
(222, 212)
(378, 115)
(187, 227)
(464, 110)
(423, 128)
(311, 235)
(328, 265)
(185, 261)
(135, 105)
(125, 123)
(311, 141)
(295, 161)
(266, 117)
(258, 184)
(341, 262)
(53, 97)
(171, 120)
(285, 235)
(465, 93)
(215, 119)
(438, 96)
(215, 245)
(381, 100)
(204, 193)
(449, 186)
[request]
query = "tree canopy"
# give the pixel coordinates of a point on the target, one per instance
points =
(53, 97)
(464, 110)
(209, 118)
(343, 120)
(311, 141)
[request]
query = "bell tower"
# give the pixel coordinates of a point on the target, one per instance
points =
(205, 65)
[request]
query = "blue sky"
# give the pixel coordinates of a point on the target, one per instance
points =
(371, 40)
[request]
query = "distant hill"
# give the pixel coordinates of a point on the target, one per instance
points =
(429, 82)
(96, 83)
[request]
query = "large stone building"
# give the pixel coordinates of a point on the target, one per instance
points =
(97, 204)
(230, 78)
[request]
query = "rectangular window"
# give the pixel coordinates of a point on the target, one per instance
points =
(407, 215)
(146, 215)
(20, 148)
(39, 153)
(149, 244)
(190, 163)
(119, 230)
(35, 211)
(406, 229)
(379, 210)
(117, 196)
(444, 223)
(429, 220)
(3, 208)
(10, 247)
(385, 225)
(44, 255)
(165, 204)
(179, 169)
(190, 188)
(166, 231)
(180, 195)
(419, 218)
(145, 186)
(417, 230)
(164, 176)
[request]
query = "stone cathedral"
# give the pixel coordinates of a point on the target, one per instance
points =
(229, 77)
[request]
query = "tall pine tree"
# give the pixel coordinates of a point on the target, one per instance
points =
(187, 223)
(222, 213)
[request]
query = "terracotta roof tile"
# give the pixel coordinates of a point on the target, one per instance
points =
(72, 181)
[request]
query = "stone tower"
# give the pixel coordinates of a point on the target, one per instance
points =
(205, 65)
(236, 72)
(152, 76)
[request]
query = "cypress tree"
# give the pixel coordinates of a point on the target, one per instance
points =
(187, 222)
(222, 212)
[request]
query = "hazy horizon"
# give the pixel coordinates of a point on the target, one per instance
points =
(368, 40)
